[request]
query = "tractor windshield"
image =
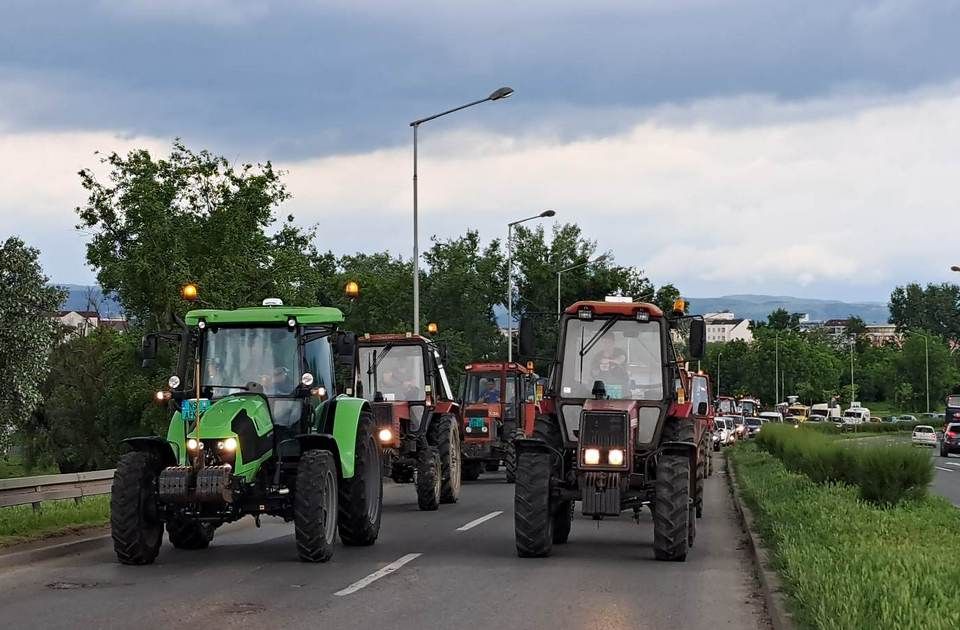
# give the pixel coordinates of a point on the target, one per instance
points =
(250, 359)
(396, 372)
(483, 387)
(624, 354)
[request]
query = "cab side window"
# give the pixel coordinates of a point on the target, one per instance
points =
(319, 358)
(700, 391)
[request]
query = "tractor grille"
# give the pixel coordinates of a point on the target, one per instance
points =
(604, 430)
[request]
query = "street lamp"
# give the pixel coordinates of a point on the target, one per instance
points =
(776, 371)
(543, 215)
(926, 352)
(571, 268)
(496, 95)
(720, 354)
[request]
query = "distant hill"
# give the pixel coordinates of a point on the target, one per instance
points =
(89, 298)
(759, 306)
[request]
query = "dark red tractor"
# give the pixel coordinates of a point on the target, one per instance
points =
(500, 404)
(418, 421)
(624, 425)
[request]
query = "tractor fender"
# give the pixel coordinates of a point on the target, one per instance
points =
(163, 449)
(345, 415)
(682, 448)
(532, 445)
(321, 441)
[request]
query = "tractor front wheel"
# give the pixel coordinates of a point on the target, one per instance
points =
(134, 523)
(562, 521)
(361, 497)
(446, 439)
(315, 506)
(533, 522)
(510, 456)
(428, 478)
(471, 470)
(672, 509)
(189, 534)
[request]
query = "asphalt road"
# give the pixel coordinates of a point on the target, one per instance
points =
(946, 479)
(443, 569)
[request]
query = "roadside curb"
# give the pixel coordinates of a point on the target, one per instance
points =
(770, 584)
(20, 558)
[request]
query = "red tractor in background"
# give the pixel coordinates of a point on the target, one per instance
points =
(624, 424)
(499, 403)
(417, 419)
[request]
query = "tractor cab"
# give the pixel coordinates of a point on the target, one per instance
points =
(500, 404)
(403, 378)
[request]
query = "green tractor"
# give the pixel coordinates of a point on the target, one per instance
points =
(260, 426)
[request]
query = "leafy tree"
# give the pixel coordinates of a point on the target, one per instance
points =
(935, 308)
(29, 332)
(666, 296)
(911, 368)
(781, 319)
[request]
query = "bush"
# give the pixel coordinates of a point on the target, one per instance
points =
(847, 563)
(884, 474)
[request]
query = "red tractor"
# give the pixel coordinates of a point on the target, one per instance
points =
(624, 424)
(417, 420)
(500, 404)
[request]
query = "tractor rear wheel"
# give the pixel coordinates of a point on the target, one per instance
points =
(672, 508)
(533, 522)
(492, 466)
(134, 522)
(361, 497)
(315, 506)
(471, 470)
(446, 438)
(510, 456)
(189, 534)
(402, 473)
(428, 478)
(562, 521)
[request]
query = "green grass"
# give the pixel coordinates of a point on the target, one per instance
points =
(13, 467)
(20, 523)
(847, 563)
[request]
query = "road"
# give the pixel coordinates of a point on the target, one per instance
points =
(466, 573)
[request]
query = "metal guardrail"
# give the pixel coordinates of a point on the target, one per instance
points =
(36, 490)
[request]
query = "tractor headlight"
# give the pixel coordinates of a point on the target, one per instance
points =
(484, 429)
(174, 382)
(193, 444)
(615, 457)
(591, 456)
(229, 444)
(385, 435)
(469, 429)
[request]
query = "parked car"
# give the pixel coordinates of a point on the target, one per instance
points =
(906, 419)
(771, 416)
(753, 426)
(924, 435)
(950, 442)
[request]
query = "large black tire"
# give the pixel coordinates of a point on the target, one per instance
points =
(315, 506)
(562, 521)
(361, 497)
(189, 534)
(471, 470)
(510, 456)
(491, 466)
(672, 508)
(134, 521)
(401, 473)
(428, 478)
(547, 428)
(702, 455)
(445, 437)
(533, 522)
(943, 450)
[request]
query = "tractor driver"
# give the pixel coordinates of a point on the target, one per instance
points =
(395, 378)
(490, 393)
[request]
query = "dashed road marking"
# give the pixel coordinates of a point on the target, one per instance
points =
(943, 469)
(482, 519)
(952, 464)
(373, 577)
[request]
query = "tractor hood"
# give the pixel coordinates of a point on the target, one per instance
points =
(223, 418)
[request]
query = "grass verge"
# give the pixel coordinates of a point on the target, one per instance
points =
(847, 563)
(21, 524)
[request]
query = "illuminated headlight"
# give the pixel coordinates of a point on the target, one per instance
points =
(201, 324)
(484, 428)
(615, 457)
(193, 444)
(174, 382)
(591, 456)
(385, 435)
(307, 379)
(469, 429)
(229, 444)
(292, 323)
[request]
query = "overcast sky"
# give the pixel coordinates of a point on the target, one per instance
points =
(768, 146)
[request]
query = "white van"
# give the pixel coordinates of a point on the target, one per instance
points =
(822, 412)
(856, 415)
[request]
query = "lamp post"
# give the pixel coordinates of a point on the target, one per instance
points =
(542, 215)
(926, 352)
(571, 268)
(853, 344)
(501, 93)
(720, 354)
(776, 371)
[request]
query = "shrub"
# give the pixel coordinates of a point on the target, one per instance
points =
(884, 474)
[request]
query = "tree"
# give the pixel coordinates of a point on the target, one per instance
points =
(666, 296)
(911, 368)
(935, 308)
(28, 306)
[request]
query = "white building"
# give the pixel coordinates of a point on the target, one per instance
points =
(725, 326)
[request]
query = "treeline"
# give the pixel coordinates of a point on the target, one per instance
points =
(157, 223)
(816, 366)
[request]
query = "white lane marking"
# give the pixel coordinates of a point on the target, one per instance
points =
(482, 519)
(951, 463)
(944, 469)
(373, 577)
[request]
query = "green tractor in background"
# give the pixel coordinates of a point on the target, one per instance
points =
(261, 426)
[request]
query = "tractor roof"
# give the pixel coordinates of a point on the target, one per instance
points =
(627, 309)
(376, 339)
(497, 367)
(267, 315)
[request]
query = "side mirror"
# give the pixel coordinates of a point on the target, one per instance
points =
(527, 345)
(148, 351)
(345, 346)
(698, 338)
(702, 409)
